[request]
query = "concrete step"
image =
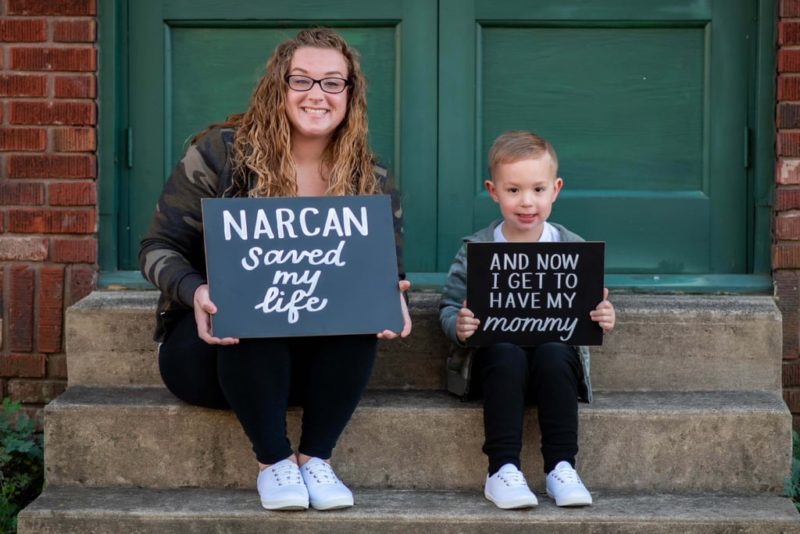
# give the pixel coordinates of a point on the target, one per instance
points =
(65, 510)
(657, 441)
(661, 343)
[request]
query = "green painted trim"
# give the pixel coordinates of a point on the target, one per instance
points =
(764, 159)
(415, 169)
(280, 10)
(122, 280)
(620, 10)
(457, 129)
(111, 42)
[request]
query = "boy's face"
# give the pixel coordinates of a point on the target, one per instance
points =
(525, 191)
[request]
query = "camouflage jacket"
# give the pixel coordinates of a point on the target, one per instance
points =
(172, 254)
(459, 362)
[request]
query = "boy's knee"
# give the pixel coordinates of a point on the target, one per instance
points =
(507, 356)
(555, 357)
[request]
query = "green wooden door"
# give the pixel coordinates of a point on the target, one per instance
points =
(193, 62)
(646, 104)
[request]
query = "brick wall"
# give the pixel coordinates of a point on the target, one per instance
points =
(786, 228)
(48, 167)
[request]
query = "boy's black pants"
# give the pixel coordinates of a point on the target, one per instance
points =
(509, 376)
(260, 378)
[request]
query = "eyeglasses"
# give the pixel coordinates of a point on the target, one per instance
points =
(328, 85)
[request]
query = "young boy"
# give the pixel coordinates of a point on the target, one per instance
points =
(524, 183)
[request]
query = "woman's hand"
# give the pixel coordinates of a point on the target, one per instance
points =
(203, 310)
(388, 334)
(466, 323)
(604, 314)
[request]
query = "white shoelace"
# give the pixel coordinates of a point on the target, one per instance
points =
(567, 476)
(287, 473)
(322, 473)
(513, 478)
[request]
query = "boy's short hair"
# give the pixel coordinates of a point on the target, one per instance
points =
(517, 145)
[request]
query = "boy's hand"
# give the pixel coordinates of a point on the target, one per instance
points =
(466, 323)
(604, 314)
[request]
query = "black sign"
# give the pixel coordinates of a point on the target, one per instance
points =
(532, 293)
(280, 267)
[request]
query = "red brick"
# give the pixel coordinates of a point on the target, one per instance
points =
(791, 373)
(789, 115)
(67, 113)
(788, 60)
(787, 291)
(57, 366)
(787, 198)
(51, 166)
(788, 33)
(74, 250)
(784, 256)
(54, 59)
(75, 86)
(21, 193)
(787, 226)
(792, 399)
(23, 30)
(22, 365)
(38, 221)
(74, 140)
(23, 85)
(38, 391)
(790, 8)
(52, 7)
(788, 88)
(20, 308)
(51, 308)
(23, 139)
(788, 143)
(75, 31)
(82, 281)
(72, 194)
(23, 248)
(788, 172)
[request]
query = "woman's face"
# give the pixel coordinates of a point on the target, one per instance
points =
(315, 114)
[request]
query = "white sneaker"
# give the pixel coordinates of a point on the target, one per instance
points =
(507, 489)
(325, 490)
(281, 487)
(565, 486)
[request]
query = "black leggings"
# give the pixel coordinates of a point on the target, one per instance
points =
(260, 378)
(508, 377)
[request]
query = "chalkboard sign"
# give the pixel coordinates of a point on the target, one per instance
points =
(301, 266)
(532, 293)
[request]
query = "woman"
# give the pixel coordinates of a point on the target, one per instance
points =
(304, 133)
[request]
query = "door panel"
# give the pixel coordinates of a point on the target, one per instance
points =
(645, 104)
(193, 62)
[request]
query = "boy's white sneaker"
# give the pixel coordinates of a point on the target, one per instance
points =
(507, 489)
(565, 486)
(325, 490)
(281, 487)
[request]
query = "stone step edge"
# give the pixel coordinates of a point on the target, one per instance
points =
(451, 510)
(630, 303)
(158, 397)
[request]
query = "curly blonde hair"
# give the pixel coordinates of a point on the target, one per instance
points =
(262, 161)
